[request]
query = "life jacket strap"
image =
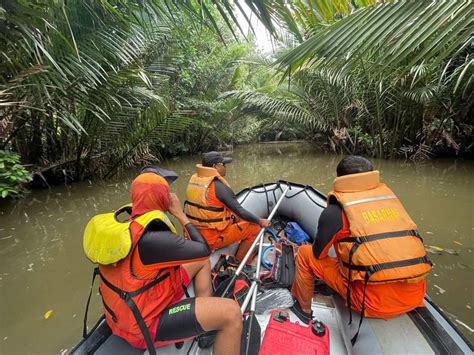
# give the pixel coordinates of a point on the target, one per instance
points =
(204, 220)
(362, 313)
(378, 236)
(349, 283)
(128, 299)
(108, 309)
(390, 265)
(207, 208)
(84, 328)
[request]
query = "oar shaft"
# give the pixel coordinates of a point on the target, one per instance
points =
(257, 274)
(260, 234)
(253, 286)
(252, 247)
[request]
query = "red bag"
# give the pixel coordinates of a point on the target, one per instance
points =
(282, 337)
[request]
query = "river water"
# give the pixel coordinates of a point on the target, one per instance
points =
(43, 268)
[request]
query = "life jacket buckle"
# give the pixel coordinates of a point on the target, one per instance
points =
(370, 271)
(123, 295)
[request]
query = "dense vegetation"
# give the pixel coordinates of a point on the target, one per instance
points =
(89, 87)
(393, 79)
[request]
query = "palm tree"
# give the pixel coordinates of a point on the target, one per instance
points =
(405, 67)
(85, 84)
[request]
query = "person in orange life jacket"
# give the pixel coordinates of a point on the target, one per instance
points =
(212, 207)
(361, 205)
(156, 252)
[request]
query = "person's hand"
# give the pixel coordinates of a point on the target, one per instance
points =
(176, 210)
(265, 223)
(175, 205)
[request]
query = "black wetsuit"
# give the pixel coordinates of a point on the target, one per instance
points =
(330, 223)
(225, 194)
(166, 249)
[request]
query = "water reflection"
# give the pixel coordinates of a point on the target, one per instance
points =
(42, 266)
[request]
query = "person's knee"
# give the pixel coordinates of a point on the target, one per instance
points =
(233, 316)
(206, 264)
(305, 254)
(249, 230)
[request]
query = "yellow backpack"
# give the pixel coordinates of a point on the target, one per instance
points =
(107, 239)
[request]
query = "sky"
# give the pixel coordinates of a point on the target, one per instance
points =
(262, 37)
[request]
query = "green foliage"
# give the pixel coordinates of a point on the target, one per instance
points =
(391, 79)
(204, 68)
(13, 175)
(387, 37)
(86, 87)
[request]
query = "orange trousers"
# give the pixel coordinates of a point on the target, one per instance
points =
(243, 232)
(381, 301)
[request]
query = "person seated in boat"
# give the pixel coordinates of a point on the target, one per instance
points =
(212, 207)
(163, 263)
(381, 262)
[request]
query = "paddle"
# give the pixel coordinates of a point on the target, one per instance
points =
(208, 338)
(251, 333)
(252, 247)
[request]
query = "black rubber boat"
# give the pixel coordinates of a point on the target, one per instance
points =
(423, 331)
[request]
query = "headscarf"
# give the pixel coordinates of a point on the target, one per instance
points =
(149, 192)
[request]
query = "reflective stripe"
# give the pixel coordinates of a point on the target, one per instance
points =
(200, 185)
(370, 199)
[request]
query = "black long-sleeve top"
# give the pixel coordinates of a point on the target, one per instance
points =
(168, 249)
(227, 197)
(330, 223)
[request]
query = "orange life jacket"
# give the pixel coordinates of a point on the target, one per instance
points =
(197, 207)
(132, 305)
(384, 245)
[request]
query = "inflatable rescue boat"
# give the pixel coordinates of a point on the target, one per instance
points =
(424, 330)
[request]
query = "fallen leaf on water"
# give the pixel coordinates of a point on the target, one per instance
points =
(48, 314)
(441, 290)
(457, 242)
(429, 233)
(433, 250)
(435, 247)
(451, 251)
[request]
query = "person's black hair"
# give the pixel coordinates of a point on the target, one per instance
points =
(353, 164)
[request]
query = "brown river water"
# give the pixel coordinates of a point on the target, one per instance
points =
(43, 268)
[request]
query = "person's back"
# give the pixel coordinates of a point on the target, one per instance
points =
(142, 290)
(212, 207)
(381, 262)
